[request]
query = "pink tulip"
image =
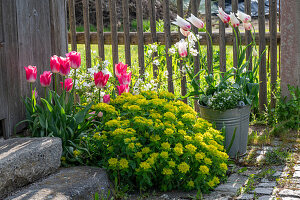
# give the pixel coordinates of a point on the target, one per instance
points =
(182, 49)
(243, 17)
(247, 26)
(182, 23)
(120, 68)
(100, 79)
(75, 59)
(45, 79)
(68, 84)
(54, 64)
(123, 88)
(233, 20)
(30, 73)
(124, 78)
(196, 21)
(185, 33)
(106, 99)
(223, 16)
(64, 69)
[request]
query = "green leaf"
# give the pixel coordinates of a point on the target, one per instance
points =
(47, 104)
(81, 114)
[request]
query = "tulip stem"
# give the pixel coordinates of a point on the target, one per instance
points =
(45, 92)
(64, 96)
(55, 82)
(31, 90)
(74, 87)
(99, 95)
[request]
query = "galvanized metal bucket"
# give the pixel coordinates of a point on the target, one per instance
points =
(237, 118)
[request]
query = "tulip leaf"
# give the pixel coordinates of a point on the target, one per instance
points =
(46, 103)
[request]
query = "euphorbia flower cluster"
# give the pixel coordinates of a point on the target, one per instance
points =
(123, 77)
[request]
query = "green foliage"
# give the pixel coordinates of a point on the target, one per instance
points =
(57, 116)
(151, 141)
(276, 156)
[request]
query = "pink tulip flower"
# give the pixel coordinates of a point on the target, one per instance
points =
(30, 73)
(45, 79)
(223, 16)
(243, 17)
(123, 88)
(233, 20)
(64, 69)
(124, 78)
(68, 84)
(75, 59)
(100, 79)
(196, 21)
(185, 33)
(182, 49)
(247, 26)
(54, 64)
(120, 68)
(106, 99)
(185, 25)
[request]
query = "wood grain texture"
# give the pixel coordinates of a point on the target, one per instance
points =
(126, 27)
(183, 76)
(140, 37)
(222, 40)
(86, 23)
(100, 36)
(114, 34)
(262, 66)
(209, 30)
(161, 38)
(248, 37)
(72, 24)
(152, 16)
(196, 58)
(273, 49)
(167, 30)
(3, 82)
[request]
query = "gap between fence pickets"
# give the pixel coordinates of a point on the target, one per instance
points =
(161, 38)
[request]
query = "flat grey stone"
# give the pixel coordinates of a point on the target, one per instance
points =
(234, 182)
(25, 160)
(289, 198)
(277, 174)
(267, 185)
(262, 191)
(245, 196)
(68, 183)
(296, 174)
(267, 197)
(297, 167)
(264, 180)
(290, 193)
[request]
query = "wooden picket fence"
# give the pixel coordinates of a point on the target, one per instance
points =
(140, 38)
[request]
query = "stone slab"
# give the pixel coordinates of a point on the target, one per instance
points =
(290, 193)
(297, 167)
(262, 191)
(245, 196)
(289, 198)
(76, 183)
(267, 185)
(296, 174)
(234, 182)
(266, 197)
(25, 160)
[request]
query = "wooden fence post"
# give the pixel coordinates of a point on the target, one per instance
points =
(290, 45)
(86, 22)
(222, 42)
(100, 35)
(114, 33)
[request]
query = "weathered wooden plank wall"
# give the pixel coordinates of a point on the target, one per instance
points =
(31, 31)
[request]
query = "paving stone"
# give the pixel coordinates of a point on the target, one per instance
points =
(290, 193)
(264, 180)
(234, 182)
(262, 191)
(296, 174)
(277, 174)
(68, 183)
(245, 196)
(266, 197)
(297, 167)
(267, 185)
(289, 198)
(25, 160)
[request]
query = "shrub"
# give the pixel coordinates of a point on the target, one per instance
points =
(151, 141)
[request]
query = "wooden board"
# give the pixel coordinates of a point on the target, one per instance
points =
(161, 38)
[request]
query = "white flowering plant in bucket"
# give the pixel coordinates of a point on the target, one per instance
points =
(236, 87)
